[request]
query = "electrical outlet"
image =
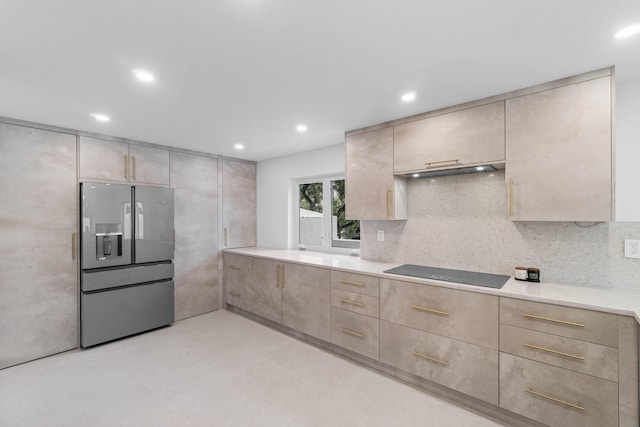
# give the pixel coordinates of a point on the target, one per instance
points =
(380, 235)
(631, 248)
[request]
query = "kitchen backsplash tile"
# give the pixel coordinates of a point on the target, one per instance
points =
(461, 222)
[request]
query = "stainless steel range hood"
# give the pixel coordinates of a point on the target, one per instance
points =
(460, 170)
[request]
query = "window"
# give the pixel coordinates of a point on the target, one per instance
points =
(321, 216)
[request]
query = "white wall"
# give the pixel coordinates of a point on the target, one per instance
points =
(628, 151)
(275, 178)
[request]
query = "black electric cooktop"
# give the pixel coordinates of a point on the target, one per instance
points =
(487, 280)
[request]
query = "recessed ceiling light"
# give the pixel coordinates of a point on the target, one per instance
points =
(408, 97)
(100, 117)
(628, 31)
(143, 75)
(301, 128)
(416, 175)
(239, 146)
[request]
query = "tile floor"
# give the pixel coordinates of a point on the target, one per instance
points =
(218, 369)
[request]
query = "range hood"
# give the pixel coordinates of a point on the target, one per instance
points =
(460, 170)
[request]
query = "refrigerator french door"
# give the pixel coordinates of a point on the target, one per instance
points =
(127, 246)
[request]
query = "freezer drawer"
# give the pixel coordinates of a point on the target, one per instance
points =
(93, 280)
(116, 313)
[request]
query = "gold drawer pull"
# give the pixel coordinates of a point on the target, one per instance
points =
(350, 332)
(548, 350)
(430, 310)
(233, 294)
(351, 302)
(562, 402)
(548, 319)
(428, 164)
(233, 267)
(431, 359)
(347, 282)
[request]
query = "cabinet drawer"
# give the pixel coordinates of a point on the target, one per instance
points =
(556, 396)
(581, 356)
(362, 304)
(355, 332)
(467, 316)
(468, 368)
(358, 283)
(585, 325)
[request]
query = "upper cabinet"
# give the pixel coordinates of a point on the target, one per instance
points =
(118, 161)
(238, 203)
(559, 153)
(371, 190)
(470, 136)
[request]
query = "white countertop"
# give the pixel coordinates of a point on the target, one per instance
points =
(609, 300)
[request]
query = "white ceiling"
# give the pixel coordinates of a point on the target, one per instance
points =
(248, 71)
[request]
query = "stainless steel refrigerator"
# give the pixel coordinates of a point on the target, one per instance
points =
(127, 246)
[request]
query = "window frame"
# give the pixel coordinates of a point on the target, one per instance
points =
(327, 238)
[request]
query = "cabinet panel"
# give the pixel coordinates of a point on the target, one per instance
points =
(102, 159)
(264, 296)
(580, 356)
(195, 184)
(306, 300)
(468, 368)
(239, 203)
(555, 396)
(470, 136)
(585, 325)
(38, 254)
(467, 316)
(355, 332)
(236, 272)
(149, 165)
(559, 154)
(371, 190)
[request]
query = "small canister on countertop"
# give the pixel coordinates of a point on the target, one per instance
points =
(533, 274)
(521, 273)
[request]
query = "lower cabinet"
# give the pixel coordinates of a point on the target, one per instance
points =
(556, 396)
(464, 367)
(355, 332)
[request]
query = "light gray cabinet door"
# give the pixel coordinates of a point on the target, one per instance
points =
(104, 160)
(371, 190)
(149, 165)
(38, 255)
(471, 136)
(195, 183)
(306, 300)
(263, 293)
(559, 154)
(238, 203)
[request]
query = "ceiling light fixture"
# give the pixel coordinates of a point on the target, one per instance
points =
(100, 117)
(301, 128)
(239, 146)
(408, 97)
(143, 75)
(628, 31)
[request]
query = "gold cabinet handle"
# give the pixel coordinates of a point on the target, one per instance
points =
(282, 276)
(430, 310)
(560, 353)
(126, 167)
(428, 164)
(389, 196)
(226, 237)
(133, 167)
(350, 332)
(233, 267)
(553, 399)
(351, 302)
(510, 196)
(233, 294)
(277, 276)
(548, 319)
(430, 359)
(73, 246)
(348, 282)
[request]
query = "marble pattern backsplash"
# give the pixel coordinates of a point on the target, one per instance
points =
(461, 222)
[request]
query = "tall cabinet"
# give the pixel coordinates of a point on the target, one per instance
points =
(238, 203)
(194, 179)
(38, 249)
